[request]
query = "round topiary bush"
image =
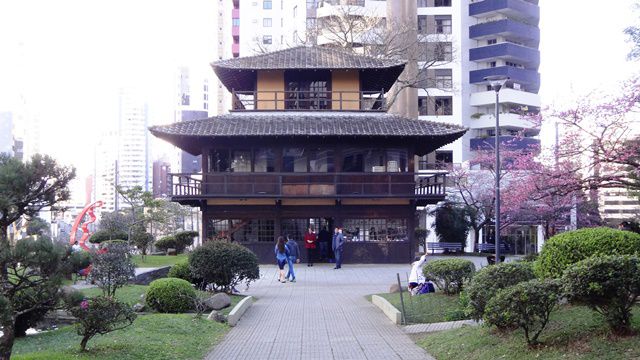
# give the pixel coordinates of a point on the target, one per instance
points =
(181, 271)
(103, 235)
(170, 295)
(526, 305)
(223, 265)
(608, 285)
(167, 242)
(562, 250)
(449, 274)
(489, 280)
(184, 239)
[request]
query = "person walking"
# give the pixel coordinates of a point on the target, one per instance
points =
(324, 238)
(282, 257)
(337, 246)
(310, 244)
(294, 257)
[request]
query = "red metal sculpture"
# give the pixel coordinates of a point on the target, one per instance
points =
(85, 230)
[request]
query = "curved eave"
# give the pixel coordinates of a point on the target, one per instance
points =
(422, 144)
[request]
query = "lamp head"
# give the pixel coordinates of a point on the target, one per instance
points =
(496, 81)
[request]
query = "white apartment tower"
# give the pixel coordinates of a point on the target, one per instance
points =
(122, 153)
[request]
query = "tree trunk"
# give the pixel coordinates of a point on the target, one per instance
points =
(7, 339)
(83, 343)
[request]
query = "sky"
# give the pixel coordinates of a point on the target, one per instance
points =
(64, 60)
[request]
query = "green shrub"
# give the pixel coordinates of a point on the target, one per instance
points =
(142, 240)
(181, 271)
(609, 285)
(167, 242)
(489, 280)
(184, 239)
(113, 267)
(224, 265)
(562, 250)
(100, 315)
(170, 295)
(526, 305)
(79, 260)
(103, 235)
(449, 274)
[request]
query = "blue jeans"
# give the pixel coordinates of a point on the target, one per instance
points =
(338, 254)
(291, 260)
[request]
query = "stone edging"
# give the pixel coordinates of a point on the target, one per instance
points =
(389, 310)
(238, 310)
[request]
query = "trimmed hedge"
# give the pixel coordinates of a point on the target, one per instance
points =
(181, 271)
(103, 235)
(166, 242)
(224, 265)
(526, 305)
(563, 250)
(449, 274)
(608, 285)
(184, 239)
(170, 295)
(489, 280)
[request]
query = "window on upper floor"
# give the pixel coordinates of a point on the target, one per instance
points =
(266, 22)
(235, 22)
(267, 39)
(435, 106)
(267, 4)
(441, 3)
(422, 3)
(443, 24)
(422, 24)
(442, 51)
(492, 64)
(306, 90)
(444, 156)
(443, 78)
(492, 41)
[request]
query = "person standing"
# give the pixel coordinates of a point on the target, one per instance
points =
(294, 257)
(310, 244)
(324, 237)
(282, 257)
(337, 246)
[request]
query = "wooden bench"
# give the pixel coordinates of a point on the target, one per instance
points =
(443, 246)
(488, 247)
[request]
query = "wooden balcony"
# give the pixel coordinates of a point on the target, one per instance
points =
(423, 189)
(308, 101)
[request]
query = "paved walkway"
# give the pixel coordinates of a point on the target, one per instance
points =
(324, 315)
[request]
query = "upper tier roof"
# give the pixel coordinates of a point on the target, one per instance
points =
(425, 136)
(239, 73)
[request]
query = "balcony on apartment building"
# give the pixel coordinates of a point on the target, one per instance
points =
(530, 79)
(507, 28)
(510, 120)
(507, 95)
(507, 51)
(523, 10)
(507, 143)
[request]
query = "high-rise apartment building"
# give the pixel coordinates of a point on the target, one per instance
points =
(122, 152)
(460, 43)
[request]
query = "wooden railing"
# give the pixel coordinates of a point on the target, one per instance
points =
(308, 100)
(296, 185)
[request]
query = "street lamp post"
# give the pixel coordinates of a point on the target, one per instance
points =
(497, 82)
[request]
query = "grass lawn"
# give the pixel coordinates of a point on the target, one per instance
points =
(572, 333)
(158, 260)
(153, 336)
(428, 308)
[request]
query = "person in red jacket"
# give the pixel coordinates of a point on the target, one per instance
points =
(310, 239)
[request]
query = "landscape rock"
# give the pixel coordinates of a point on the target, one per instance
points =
(138, 307)
(147, 277)
(172, 251)
(218, 301)
(394, 288)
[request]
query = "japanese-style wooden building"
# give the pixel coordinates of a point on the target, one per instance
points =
(308, 142)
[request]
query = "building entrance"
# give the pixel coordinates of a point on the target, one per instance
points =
(323, 228)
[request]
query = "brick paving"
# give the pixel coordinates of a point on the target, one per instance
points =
(324, 315)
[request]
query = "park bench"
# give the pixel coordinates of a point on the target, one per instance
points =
(445, 246)
(488, 247)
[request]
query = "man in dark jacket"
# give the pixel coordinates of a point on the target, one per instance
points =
(338, 245)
